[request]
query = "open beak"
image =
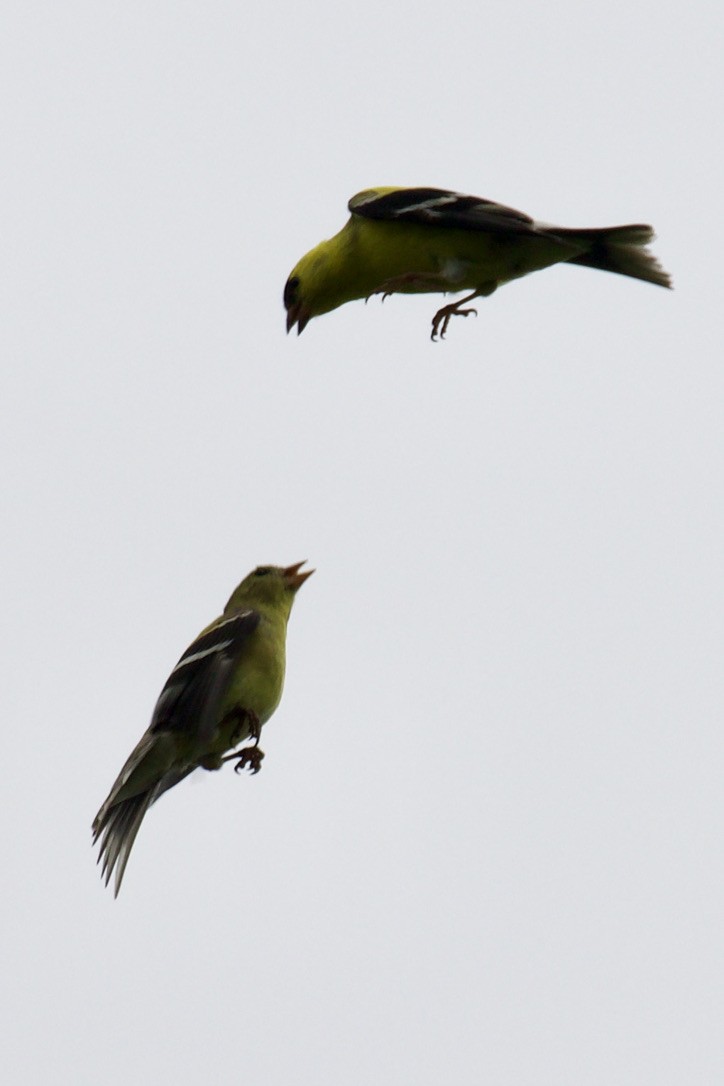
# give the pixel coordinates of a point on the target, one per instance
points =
(294, 578)
(296, 315)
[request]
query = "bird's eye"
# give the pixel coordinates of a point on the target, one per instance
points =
(290, 291)
(262, 571)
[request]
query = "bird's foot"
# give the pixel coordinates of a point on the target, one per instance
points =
(248, 757)
(442, 317)
(248, 726)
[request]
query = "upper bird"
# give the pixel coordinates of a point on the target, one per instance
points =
(223, 689)
(420, 241)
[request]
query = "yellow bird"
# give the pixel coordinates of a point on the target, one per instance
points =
(426, 240)
(222, 691)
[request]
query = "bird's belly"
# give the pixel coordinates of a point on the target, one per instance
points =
(429, 261)
(256, 689)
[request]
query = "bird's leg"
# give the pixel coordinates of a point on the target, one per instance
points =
(247, 725)
(250, 756)
(422, 281)
(442, 317)
(254, 726)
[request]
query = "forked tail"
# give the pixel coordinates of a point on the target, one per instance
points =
(620, 249)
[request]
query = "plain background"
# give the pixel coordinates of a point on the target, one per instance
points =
(486, 842)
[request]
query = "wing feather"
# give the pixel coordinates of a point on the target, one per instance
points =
(440, 207)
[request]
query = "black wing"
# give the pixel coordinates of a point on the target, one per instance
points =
(440, 207)
(194, 690)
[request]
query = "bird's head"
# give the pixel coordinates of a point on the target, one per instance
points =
(317, 284)
(270, 586)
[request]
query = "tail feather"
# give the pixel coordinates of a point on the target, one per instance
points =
(118, 826)
(621, 249)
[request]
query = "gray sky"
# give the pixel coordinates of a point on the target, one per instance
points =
(486, 842)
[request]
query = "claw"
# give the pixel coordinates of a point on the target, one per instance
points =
(249, 756)
(443, 317)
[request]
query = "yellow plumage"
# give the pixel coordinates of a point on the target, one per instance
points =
(418, 241)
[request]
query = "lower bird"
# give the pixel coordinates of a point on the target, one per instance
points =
(223, 689)
(426, 240)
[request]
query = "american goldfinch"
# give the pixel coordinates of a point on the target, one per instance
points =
(421, 241)
(223, 689)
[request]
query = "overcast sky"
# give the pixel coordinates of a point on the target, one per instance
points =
(485, 846)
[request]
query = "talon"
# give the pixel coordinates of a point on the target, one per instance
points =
(381, 290)
(252, 757)
(249, 756)
(442, 317)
